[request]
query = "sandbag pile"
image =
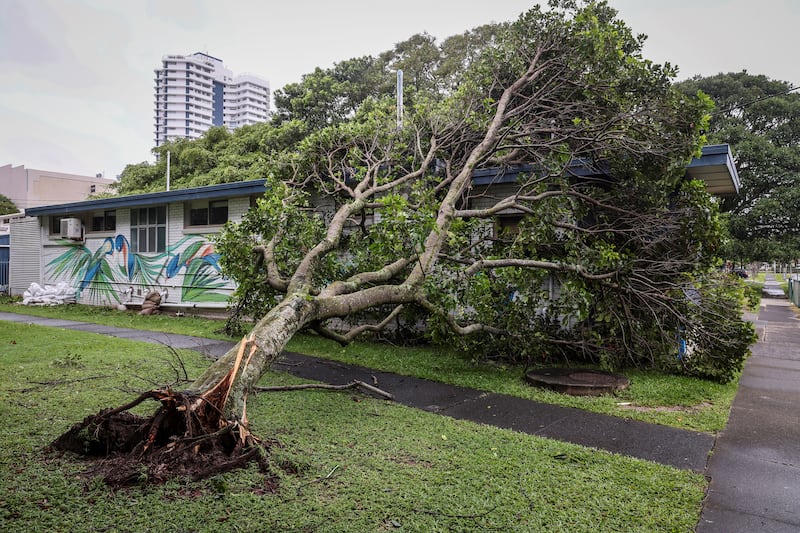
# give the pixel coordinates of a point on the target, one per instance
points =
(151, 303)
(59, 294)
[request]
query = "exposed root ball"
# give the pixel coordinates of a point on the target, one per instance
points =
(185, 437)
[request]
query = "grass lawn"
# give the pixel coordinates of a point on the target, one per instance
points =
(678, 401)
(346, 462)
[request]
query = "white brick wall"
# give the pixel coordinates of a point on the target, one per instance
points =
(189, 250)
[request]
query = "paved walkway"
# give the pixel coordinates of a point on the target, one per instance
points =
(755, 466)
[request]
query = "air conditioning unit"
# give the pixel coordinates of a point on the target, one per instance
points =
(71, 229)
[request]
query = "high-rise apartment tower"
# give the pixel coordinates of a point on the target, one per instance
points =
(195, 92)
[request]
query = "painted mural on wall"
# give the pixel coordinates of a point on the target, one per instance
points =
(105, 273)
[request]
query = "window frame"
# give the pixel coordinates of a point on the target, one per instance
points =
(507, 225)
(107, 220)
(201, 213)
(55, 225)
(154, 229)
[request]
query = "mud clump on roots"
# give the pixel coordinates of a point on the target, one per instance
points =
(185, 437)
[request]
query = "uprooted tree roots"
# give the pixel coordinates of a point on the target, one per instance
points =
(180, 439)
(187, 436)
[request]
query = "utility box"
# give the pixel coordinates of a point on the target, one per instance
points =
(72, 229)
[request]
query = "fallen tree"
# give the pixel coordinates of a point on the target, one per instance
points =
(369, 214)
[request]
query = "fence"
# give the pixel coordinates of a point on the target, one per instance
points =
(794, 291)
(4, 259)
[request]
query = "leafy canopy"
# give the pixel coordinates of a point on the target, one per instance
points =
(7, 206)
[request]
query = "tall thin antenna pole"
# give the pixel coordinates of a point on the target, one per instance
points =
(399, 100)
(168, 170)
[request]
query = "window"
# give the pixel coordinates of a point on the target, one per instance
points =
(103, 221)
(206, 213)
(507, 226)
(96, 221)
(149, 229)
(55, 225)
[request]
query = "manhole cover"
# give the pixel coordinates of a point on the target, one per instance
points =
(577, 381)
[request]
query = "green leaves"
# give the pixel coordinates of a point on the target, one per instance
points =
(604, 231)
(7, 206)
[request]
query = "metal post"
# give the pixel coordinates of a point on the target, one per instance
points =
(399, 100)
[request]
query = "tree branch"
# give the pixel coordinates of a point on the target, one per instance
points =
(454, 325)
(509, 202)
(488, 264)
(353, 333)
(324, 386)
(348, 304)
(266, 255)
(333, 235)
(358, 281)
(418, 173)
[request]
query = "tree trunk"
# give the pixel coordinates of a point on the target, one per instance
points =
(270, 336)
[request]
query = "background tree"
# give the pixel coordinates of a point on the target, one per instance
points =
(760, 119)
(362, 215)
(7, 206)
(218, 156)
(329, 96)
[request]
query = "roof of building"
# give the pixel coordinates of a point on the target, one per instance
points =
(715, 166)
(209, 192)
(494, 175)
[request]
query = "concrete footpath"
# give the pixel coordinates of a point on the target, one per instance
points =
(755, 465)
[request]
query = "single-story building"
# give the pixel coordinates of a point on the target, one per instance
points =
(116, 250)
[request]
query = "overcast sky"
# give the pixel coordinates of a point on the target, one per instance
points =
(77, 75)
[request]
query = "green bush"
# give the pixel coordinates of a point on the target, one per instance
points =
(718, 340)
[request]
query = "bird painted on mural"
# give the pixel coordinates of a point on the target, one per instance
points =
(205, 253)
(96, 262)
(212, 258)
(121, 245)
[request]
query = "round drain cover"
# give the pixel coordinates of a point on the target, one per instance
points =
(577, 381)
